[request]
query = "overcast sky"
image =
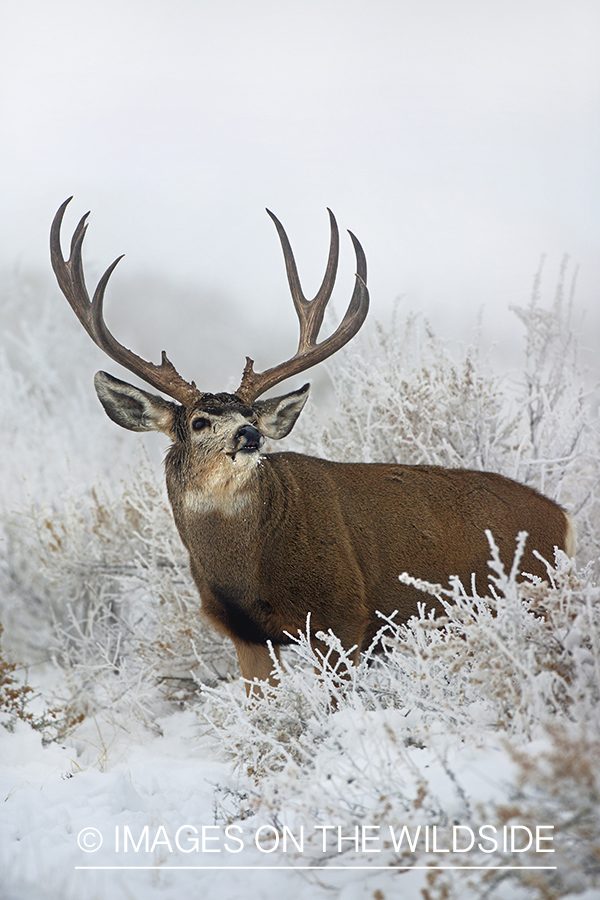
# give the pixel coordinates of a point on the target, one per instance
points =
(458, 139)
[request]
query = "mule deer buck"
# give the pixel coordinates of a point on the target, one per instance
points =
(273, 537)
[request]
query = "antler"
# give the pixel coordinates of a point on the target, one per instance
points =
(69, 274)
(164, 377)
(310, 315)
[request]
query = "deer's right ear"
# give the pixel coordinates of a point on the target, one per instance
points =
(131, 407)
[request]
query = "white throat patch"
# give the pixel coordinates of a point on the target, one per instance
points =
(226, 489)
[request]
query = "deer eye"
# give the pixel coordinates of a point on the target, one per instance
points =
(200, 423)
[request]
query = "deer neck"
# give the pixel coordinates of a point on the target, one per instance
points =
(220, 513)
(222, 486)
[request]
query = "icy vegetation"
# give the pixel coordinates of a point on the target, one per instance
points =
(471, 740)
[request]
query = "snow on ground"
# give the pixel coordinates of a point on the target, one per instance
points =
(57, 799)
(53, 795)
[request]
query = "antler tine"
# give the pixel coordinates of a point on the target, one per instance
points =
(310, 312)
(70, 276)
(66, 272)
(310, 315)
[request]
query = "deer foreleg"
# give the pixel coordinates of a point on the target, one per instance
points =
(256, 663)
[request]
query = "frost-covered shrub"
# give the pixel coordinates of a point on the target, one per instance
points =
(20, 703)
(113, 575)
(519, 688)
(521, 654)
(402, 398)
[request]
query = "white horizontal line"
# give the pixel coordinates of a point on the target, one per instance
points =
(328, 868)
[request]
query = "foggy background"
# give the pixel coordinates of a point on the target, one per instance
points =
(458, 140)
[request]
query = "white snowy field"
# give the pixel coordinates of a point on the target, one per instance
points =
(462, 762)
(151, 799)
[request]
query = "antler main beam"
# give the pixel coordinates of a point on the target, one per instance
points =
(164, 377)
(69, 273)
(310, 316)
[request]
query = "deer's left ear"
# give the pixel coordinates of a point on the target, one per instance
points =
(277, 416)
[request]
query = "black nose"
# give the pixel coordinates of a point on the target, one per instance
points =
(249, 438)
